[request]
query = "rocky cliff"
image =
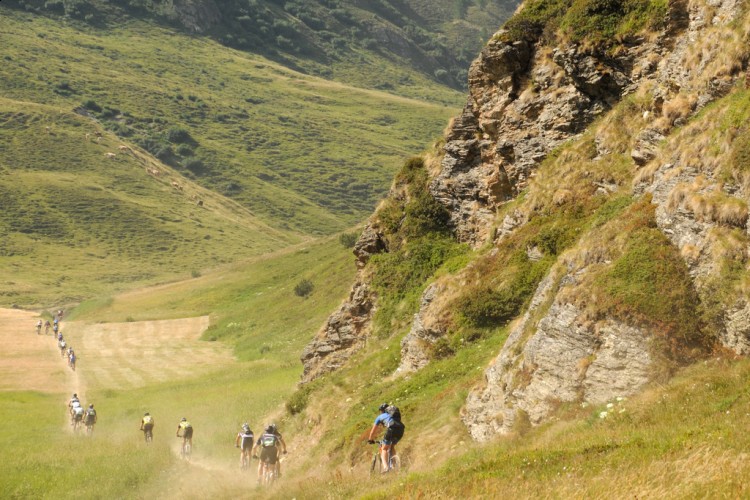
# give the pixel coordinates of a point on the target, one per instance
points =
(607, 210)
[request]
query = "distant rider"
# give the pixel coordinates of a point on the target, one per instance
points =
(39, 327)
(187, 433)
(147, 425)
(244, 441)
(90, 418)
(46, 327)
(393, 434)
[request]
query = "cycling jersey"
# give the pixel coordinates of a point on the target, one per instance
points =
(147, 420)
(268, 440)
(246, 440)
(386, 419)
(185, 425)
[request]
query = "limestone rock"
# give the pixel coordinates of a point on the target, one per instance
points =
(561, 360)
(425, 331)
(344, 333)
(369, 243)
(737, 333)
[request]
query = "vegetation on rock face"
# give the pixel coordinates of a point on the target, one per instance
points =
(648, 283)
(419, 242)
(599, 22)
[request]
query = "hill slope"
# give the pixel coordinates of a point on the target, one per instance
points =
(274, 140)
(368, 44)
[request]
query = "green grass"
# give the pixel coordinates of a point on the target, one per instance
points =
(300, 152)
(380, 44)
(249, 302)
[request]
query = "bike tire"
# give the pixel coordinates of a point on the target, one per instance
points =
(395, 462)
(375, 466)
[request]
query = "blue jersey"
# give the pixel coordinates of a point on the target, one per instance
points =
(384, 418)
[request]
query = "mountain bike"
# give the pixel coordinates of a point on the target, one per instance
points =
(77, 421)
(269, 474)
(89, 428)
(394, 462)
(245, 459)
(186, 450)
(148, 434)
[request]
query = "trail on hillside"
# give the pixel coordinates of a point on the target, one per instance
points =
(31, 362)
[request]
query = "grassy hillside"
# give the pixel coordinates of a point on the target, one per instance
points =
(78, 223)
(372, 44)
(300, 152)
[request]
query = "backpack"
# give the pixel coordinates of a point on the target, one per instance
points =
(394, 412)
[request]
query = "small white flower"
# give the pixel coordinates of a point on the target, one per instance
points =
(620, 398)
(610, 405)
(603, 414)
(584, 405)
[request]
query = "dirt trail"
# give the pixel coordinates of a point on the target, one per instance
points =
(31, 362)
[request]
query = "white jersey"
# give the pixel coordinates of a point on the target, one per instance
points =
(75, 404)
(78, 411)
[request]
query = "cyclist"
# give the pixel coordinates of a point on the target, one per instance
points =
(244, 441)
(269, 442)
(72, 360)
(46, 327)
(90, 418)
(187, 433)
(76, 415)
(39, 327)
(147, 426)
(62, 345)
(395, 431)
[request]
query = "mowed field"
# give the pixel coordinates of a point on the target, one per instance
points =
(138, 354)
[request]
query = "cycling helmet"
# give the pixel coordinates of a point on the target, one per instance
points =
(271, 428)
(75, 395)
(91, 406)
(183, 419)
(383, 407)
(245, 427)
(145, 414)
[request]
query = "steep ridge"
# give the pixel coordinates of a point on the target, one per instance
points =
(598, 173)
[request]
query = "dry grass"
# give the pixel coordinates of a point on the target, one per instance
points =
(708, 203)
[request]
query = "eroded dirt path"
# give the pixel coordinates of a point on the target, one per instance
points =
(31, 362)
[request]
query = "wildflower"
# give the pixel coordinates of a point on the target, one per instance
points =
(603, 414)
(610, 405)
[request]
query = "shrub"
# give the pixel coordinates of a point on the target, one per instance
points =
(348, 240)
(195, 165)
(178, 135)
(304, 288)
(91, 105)
(297, 402)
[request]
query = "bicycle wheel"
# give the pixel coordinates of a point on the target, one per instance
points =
(395, 463)
(375, 467)
(188, 451)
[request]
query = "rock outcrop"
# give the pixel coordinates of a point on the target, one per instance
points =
(524, 102)
(565, 358)
(561, 359)
(344, 333)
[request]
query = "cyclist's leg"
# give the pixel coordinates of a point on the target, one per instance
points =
(384, 454)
